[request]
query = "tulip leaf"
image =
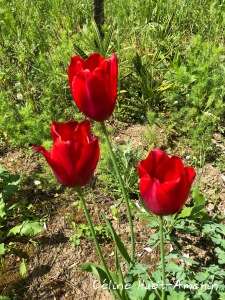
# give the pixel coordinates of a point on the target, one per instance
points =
(80, 52)
(120, 275)
(100, 272)
(118, 268)
(117, 241)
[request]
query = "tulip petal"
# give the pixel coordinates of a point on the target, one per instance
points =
(67, 155)
(164, 182)
(72, 70)
(74, 154)
(183, 188)
(83, 132)
(93, 62)
(114, 75)
(93, 83)
(108, 72)
(63, 131)
(58, 170)
(154, 160)
(42, 150)
(170, 170)
(91, 94)
(154, 196)
(88, 161)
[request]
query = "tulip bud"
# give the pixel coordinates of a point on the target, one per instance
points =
(164, 182)
(93, 83)
(74, 154)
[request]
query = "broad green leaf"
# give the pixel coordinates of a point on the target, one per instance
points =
(155, 236)
(171, 255)
(208, 228)
(199, 206)
(172, 267)
(222, 296)
(198, 199)
(15, 179)
(201, 294)
(197, 209)
(221, 255)
(2, 249)
(2, 209)
(4, 298)
(214, 269)
(186, 212)
(2, 169)
(152, 296)
(137, 291)
(220, 228)
(190, 261)
(153, 224)
(3, 265)
(210, 101)
(174, 295)
(190, 211)
(139, 269)
(223, 244)
(202, 276)
(154, 240)
(156, 276)
(216, 238)
(117, 241)
(26, 228)
(23, 268)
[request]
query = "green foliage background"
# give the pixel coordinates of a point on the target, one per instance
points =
(171, 59)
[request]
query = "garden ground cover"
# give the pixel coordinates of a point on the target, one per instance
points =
(52, 262)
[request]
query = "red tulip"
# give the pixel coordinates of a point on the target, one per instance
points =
(93, 83)
(164, 182)
(74, 154)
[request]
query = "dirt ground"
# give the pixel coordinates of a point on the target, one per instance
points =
(52, 263)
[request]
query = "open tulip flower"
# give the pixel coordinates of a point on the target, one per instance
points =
(164, 182)
(93, 83)
(75, 153)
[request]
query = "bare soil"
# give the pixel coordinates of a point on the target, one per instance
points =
(52, 263)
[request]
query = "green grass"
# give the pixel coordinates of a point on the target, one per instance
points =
(171, 56)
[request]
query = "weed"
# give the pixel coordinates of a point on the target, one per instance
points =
(127, 161)
(9, 213)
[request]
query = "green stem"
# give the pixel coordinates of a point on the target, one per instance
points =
(162, 259)
(122, 188)
(79, 191)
